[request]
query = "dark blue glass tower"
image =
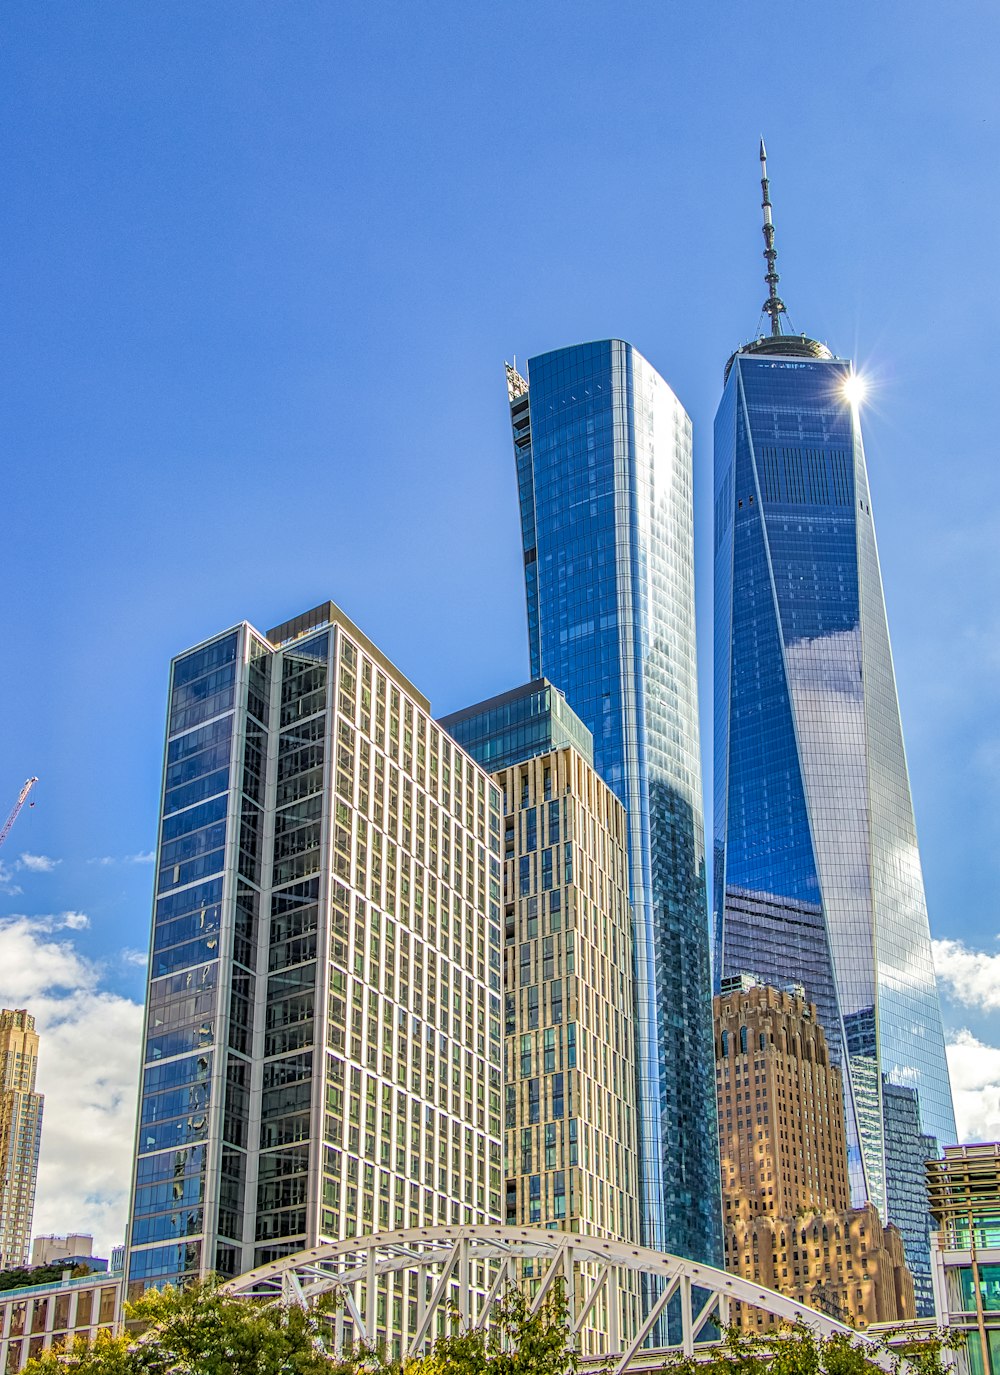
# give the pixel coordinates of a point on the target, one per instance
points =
(817, 871)
(603, 451)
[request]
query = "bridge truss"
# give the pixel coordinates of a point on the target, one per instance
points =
(405, 1288)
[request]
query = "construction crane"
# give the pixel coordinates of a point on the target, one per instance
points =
(22, 798)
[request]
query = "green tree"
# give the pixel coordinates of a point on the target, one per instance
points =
(797, 1350)
(518, 1342)
(200, 1331)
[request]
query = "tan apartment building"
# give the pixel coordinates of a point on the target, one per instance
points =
(570, 1149)
(787, 1216)
(569, 1065)
(20, 1133)
(323, 1039)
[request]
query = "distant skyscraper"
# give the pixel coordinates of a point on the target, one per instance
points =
(20, 1133)
(323, 1027)
(817, 871)
(603, 453)
(569, 1057)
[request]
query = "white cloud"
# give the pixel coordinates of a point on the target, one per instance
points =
(88, 1071)
(971, 977)
(138, 959)
(37, 864)
(975, 1082)
(6, 886)
(142, 857)
(73, 921)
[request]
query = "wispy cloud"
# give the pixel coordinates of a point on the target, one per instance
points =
(137, 959)
(969, 977)
(6, 882)
(88, 1071)
(37, 864)
(73, 921)
(142, 857)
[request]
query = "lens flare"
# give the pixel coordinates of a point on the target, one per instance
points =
(855, 388)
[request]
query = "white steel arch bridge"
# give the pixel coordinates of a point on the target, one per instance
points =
(444, 1272)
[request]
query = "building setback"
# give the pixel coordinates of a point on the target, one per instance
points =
(788, 1220)
(323, 1030)
(20, 1134)
(603, 459)
(817, 869)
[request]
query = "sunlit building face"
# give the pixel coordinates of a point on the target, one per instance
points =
(817, 870)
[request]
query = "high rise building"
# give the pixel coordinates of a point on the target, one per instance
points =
(817, 871)
(323, 1029)
(569, 1048)
(603, 455)
(788, 1221)
(20, 1133)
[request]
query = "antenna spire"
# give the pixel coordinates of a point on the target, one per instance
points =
(774, 305)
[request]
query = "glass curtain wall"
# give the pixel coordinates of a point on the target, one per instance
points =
(817, 871)
(603, 453)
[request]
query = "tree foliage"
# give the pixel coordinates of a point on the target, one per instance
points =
(797, 1350)
(21, 1276)
(203, 1331)
(200, 1331)
(518, 1342)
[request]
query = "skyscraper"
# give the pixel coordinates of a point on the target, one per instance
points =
(322, 1046)
(20, 1133)
(817, 871)
(603, 455)
(569, 1051)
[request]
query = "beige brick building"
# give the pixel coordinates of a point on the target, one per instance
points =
(569, 1064)
(20, 1133)
(786, 1203)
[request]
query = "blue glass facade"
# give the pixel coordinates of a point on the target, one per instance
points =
(603, 455)
(191, 1149)
(519, 725)
(817, 872)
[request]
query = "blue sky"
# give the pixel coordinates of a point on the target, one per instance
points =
(260, 266)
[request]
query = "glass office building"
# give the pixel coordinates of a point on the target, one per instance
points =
(518, 725)
(322, 1052)
(603, 455)
(817, 871)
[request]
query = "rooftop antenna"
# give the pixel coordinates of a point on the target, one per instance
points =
(774, 305)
